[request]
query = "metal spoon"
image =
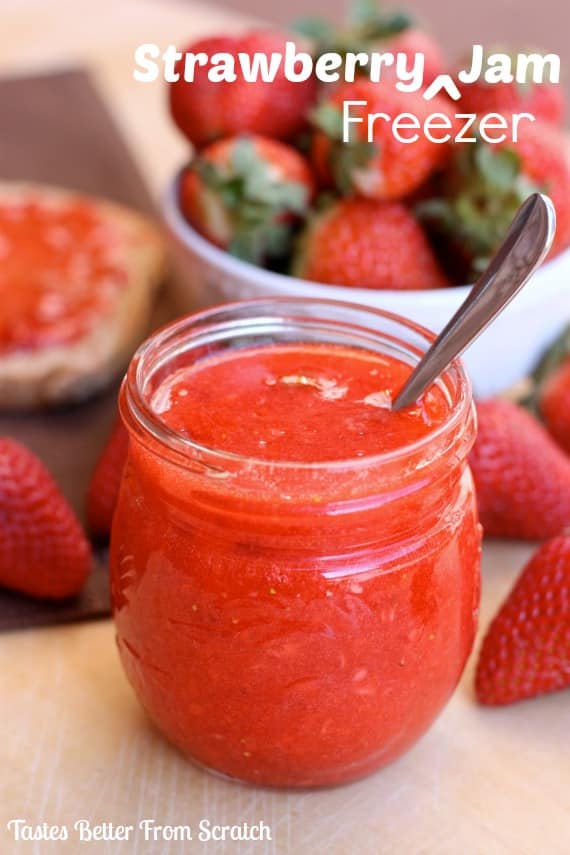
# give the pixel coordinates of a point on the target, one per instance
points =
(528, 240)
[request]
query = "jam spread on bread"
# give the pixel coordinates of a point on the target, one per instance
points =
(59, 272)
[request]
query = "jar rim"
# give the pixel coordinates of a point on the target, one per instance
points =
(140, 414)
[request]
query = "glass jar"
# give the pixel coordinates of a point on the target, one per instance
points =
(293, 624)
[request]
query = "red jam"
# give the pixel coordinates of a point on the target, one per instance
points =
(295, 584)
(58, 273)
(305, 403)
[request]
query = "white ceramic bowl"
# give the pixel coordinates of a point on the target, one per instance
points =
(504, 354)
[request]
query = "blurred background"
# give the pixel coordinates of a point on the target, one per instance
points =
(523, 23)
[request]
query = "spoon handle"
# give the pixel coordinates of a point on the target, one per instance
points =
(527, 242)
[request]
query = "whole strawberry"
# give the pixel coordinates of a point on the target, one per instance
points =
(483, 187)
(244, 194)
(206, 111)
(545, 100)
(385, 168)
(43, 551)
(526, 651)
(103, 489)
(366, 244)
(521, 476)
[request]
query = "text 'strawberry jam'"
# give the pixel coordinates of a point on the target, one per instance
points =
(295, 568)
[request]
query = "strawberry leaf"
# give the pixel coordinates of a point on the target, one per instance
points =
(316, 29)
(480, 195)
(260, 205)
(367, 25)
(436, 210)
(343, 157)
(346, 158)
(366, 18)
(497, 169)
(328, 119)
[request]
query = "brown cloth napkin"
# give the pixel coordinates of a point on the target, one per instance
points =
(55, 129)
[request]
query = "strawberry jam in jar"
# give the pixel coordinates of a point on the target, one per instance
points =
(295, 567)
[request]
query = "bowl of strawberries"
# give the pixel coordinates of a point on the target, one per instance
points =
(365, 191)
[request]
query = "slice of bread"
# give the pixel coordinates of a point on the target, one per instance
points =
(128, 260)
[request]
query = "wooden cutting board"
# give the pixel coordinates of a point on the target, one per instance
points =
(57, 130)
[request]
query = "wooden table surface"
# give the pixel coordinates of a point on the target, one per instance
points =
(74, 743)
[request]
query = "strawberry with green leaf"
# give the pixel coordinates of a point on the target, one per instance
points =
(245, 194)
(384, 168)
(485, 184)
(371, 28)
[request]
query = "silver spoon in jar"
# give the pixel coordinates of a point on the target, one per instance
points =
(527, 242)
